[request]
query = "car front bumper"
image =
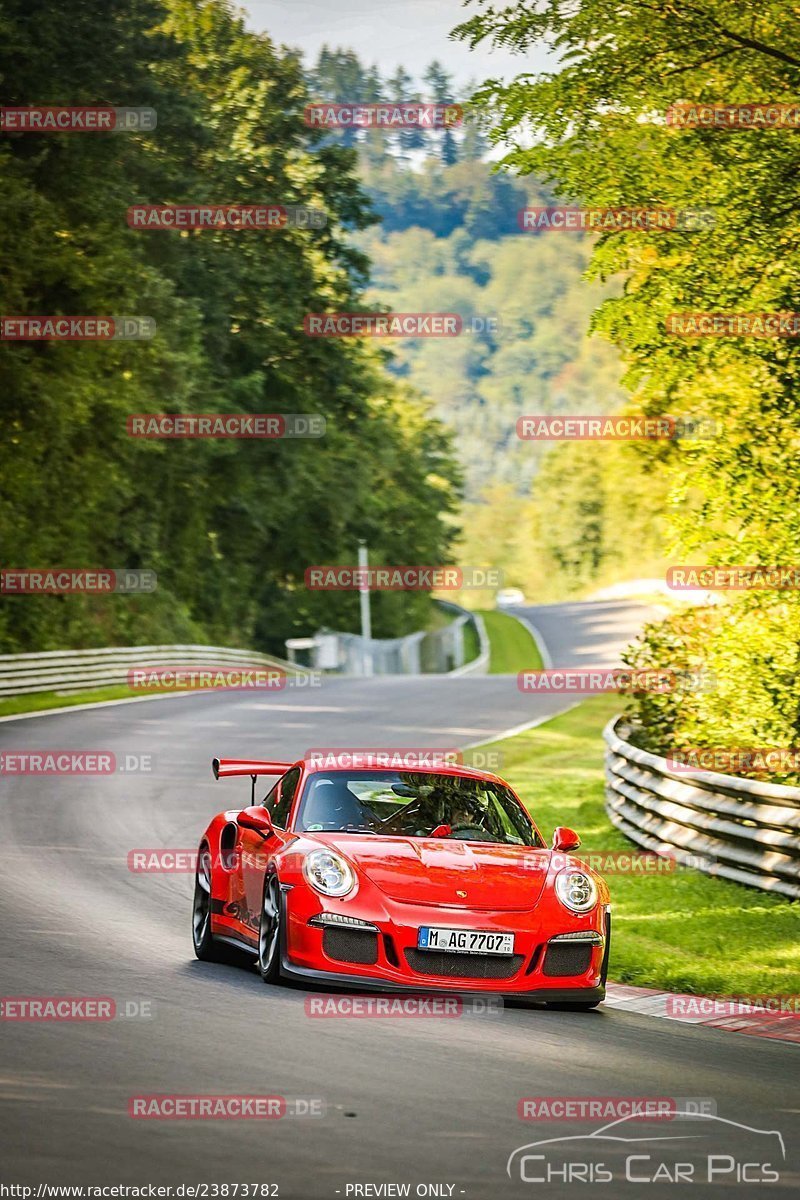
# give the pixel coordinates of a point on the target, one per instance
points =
(558, 955)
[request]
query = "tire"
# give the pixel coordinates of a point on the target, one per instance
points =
(270, 931)
(206, 947)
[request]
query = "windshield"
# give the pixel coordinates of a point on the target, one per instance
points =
(414, 804)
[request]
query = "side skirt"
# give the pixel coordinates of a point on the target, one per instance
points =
(239, 943)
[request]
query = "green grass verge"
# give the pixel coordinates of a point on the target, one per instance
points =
(472, 643)
(682, 931)
(41, 700)
(512, 647)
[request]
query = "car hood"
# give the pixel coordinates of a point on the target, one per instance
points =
(434, 870)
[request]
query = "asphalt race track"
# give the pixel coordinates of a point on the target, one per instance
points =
(408, 1101)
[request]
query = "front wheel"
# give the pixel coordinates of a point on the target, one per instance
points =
(269, 933)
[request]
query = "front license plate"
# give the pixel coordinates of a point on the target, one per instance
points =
(464, 941)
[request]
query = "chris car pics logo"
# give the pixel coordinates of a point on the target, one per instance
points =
(695, 1147)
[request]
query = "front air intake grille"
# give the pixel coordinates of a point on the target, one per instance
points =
(464, 966)
(349, 945)
(567, 958)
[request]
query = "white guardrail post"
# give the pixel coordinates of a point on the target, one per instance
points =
(739, 829)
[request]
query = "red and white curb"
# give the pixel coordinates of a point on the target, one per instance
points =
(735, 1017)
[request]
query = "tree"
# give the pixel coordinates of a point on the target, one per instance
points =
(440, 86)
(596, 128)
(229, 527)
(400, 86)
(340, 77)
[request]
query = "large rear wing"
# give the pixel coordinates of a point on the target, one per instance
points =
(225, 767)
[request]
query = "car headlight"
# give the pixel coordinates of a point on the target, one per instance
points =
(328, 873)
(576, 890)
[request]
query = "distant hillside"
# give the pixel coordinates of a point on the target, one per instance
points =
(525, 291)
(557, 519)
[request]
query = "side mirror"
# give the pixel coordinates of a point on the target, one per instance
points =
(565, 839)
(257, 819)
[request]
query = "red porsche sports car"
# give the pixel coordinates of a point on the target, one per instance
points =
(399, 879)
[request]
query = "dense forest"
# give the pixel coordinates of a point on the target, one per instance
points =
(599, 131)
(228, 526)
(587, 329)
(420, 456)
(558, 520)
(415, 220)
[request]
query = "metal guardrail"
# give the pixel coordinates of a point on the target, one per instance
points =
(435, 651)
(69, 671)
(479, 665)
(739, 829)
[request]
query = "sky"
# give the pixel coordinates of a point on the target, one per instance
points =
(407, 32)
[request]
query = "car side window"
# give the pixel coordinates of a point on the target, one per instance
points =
(271, 798)
(281, 806)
